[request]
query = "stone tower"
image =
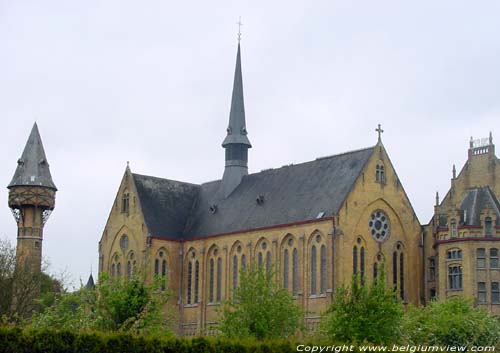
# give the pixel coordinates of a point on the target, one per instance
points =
(31, 199)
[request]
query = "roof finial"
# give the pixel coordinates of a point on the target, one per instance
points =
(380, 131)
(454, 172)
(491, 138)
(437, 198)
(239, 30)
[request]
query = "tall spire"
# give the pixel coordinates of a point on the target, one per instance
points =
(236, 130)
(236, 142)
(33, 167)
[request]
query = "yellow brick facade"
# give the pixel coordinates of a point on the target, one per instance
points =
(461, 259)
(202, 272)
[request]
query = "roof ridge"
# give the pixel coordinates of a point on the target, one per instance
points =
(167, 179)
(344, 153)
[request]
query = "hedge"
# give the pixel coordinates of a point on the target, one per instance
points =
(16, 340)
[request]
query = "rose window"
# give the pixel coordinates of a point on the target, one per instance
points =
(379, 225)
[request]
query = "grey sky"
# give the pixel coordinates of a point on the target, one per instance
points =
(150, 82)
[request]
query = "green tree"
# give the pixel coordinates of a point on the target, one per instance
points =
(454, 321)
(259, 308)
(363, 314)
(113, 305)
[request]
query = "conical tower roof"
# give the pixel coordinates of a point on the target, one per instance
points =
(90, 283)
(33, 167)
(236, 130)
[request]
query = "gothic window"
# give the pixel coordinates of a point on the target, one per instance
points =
(189, 281)
(488, 227)
(163, 273)
(362, 264)
(243, 262)
(355, 260)
(119, 269)
(493, 258)
(196, 280)
(481, 258)
(295, 275)
(322, 282)
(268, 262)
(402, 276)
(313, 270)
(380, 173)
(495, 293)
(260, 260)
(211, 282)
(454, 254)
(455, 277)
(285, 269)
(395, 268)
(481, 292)
(157, 266)
(125, 203)
(375, 271)
(379, 226)
(112, 270)
(432, 269)
(235, 272)
(453, 225)
(129, 269)
(219, 279)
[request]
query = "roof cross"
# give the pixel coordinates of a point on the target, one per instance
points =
(239, 29)
(380, 131)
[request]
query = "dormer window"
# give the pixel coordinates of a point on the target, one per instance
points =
(453, 228)
(380, 173)
(125, 203)
(488, 227)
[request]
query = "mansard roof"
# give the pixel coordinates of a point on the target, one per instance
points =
(290, 194)
(33, 167)
(476, 201)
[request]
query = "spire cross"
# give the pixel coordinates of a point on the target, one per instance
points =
(380, 131)
(239, 29)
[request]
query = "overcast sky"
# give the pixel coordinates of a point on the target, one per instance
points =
(150, 82)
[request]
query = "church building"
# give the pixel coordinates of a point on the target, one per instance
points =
(314, 224)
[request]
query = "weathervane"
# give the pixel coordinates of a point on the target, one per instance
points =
(380, 131)
(239, 29)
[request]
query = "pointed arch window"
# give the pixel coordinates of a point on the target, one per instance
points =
(119, 269)
(129, 269)
(401, 276)
(112, 270)
(295, 275)
(157, 267)
(355, 260)
(395, 268)
(211, 281)
(313, 270)
(268, 262)
(322, 283)
(163, 274)
(260, 260)
(362, 264)
(125, 202)
(285, 269)
(243, 262)
(375, 272)
(219, 279)
(189, 281)
(196, 281)
(380, 173)
(235, 272)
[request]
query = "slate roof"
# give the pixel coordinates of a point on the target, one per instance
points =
(476, 201)
(33, 167)
(90, 283)
(165, 204)
(294, 193)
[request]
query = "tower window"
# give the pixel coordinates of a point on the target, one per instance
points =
(37, 244)
(481, 292)
(455, 277)
(481, 258)
(493, 258)
(453, 226)
(488, 227)
(495, 293)
(432, 269)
